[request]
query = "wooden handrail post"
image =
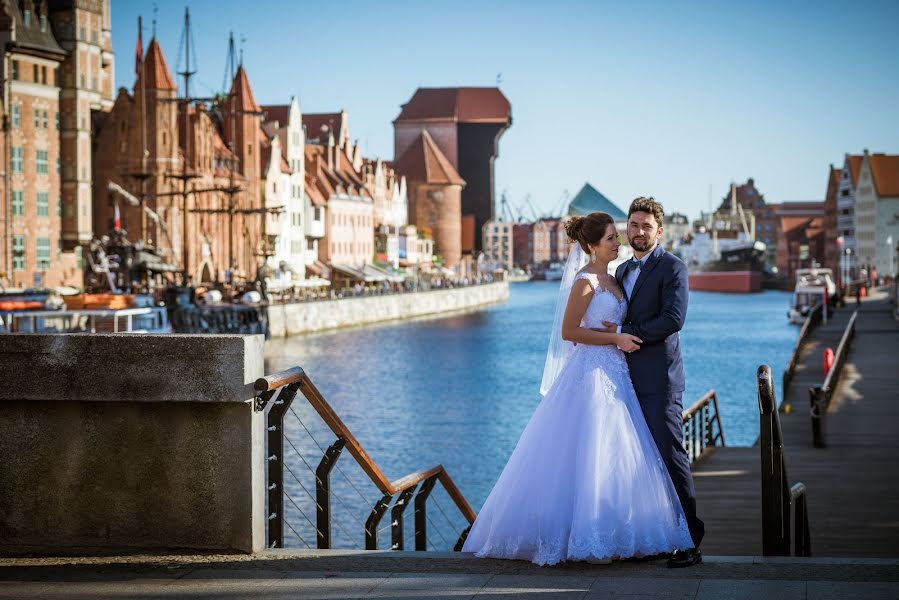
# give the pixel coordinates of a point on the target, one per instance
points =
(775, 530)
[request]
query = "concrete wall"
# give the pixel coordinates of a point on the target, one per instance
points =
(306, 317)
(113, 442)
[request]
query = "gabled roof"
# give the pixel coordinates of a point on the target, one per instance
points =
(459, 105)
(855, 165)
(156, 70)
(423, 161)
(276, 112)
(241, 90)
(885, 171)
(589, 200)
(316, 122)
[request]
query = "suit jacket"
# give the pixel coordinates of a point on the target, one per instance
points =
(656, 312)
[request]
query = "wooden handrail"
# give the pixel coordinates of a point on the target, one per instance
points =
(814, 318)
(840, 355)
(332, 420)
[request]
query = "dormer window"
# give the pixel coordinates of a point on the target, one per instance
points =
(43, 23)
(26, 18)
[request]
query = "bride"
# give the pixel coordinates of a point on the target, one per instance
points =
(586, 481)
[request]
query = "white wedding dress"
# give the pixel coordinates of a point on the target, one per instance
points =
(585, 481)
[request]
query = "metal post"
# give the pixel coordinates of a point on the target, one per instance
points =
(817, 410)
(396, 518)
(374, 518)
(421, 515)
(323, 493)
(275, 458)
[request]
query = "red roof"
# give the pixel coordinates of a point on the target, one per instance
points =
(423, 161)
(855, 165)
(316, 122)
(156, 69)
(885, 171)
(240, 88)
(279, 113)
(460, 105)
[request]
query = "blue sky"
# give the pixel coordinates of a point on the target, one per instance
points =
(638, 98)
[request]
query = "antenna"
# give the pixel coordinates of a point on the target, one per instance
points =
(230, 64)
(155, 10)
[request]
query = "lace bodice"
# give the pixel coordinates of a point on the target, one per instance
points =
(604, 306)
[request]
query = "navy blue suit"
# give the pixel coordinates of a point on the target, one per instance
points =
(657, 309)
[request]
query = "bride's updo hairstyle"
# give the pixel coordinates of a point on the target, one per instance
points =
(589, 229)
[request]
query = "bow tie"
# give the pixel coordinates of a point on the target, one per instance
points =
(632, 264)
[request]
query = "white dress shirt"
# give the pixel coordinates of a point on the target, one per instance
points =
(630, 279)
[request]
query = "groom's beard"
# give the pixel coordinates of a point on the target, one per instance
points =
(641, 244)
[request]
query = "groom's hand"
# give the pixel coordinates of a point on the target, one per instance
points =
(609, 327)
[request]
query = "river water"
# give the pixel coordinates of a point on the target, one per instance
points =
(458, 391)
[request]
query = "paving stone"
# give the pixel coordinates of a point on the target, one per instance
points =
(839, 590)
(742, 589)
(629, 586)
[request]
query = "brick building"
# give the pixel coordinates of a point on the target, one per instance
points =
(832, 249)
(435, 195)
(801, 236)
(465, 124)
(531, 245)
(154, 145)
(767, 221)
(59, 70)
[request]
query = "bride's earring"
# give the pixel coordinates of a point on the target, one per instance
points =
(593, 256)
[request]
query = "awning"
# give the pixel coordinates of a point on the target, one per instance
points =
(366, 274)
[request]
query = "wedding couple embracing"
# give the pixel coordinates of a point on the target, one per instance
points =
(600, 471)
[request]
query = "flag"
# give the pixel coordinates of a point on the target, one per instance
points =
(117, 219)
(139, 50)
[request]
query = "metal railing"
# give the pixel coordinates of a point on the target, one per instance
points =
(126, 320)
(813, 319)
(702, 426)
(785, 526)
(278, 391)
(820, 395)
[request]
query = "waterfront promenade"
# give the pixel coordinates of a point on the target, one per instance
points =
(313, 575)
(853, 485)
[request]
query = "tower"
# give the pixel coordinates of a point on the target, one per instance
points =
(86, 81)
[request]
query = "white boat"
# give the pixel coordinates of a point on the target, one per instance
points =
(812, 286)
(554, 272)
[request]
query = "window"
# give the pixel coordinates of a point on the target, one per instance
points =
(35, 71)
(43, 204)
(82, 34)
(18, 159)
(318, 214)
(43, 253)
(42, 162)
(45, 119)
(37, 117)
(59, 207)
(18, 203)
(43, 23)
(15, 69)
(16, 115)
(94, 36)
(18, 253)
(26, 18)
(310, 244)
(44, 75)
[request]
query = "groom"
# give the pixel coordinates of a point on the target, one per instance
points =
(655, 284)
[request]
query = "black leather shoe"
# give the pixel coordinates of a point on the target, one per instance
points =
(685, 558)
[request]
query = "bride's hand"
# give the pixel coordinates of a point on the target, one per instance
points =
(628, 342)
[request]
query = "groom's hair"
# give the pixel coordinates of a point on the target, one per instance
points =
(648, 205)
